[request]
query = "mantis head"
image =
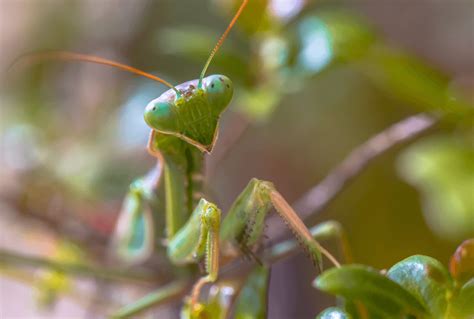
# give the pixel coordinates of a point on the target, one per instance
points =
(189, 111)
(192, 113)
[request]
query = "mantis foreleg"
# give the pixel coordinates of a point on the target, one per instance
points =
(198, 237)
(245, 221)
(134, 237)
(243, 226)
(324, 231)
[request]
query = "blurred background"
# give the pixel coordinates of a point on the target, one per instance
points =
(313, 80)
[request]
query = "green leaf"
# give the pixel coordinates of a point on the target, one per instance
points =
(252, 302)
(426, 279)
(442, 169)
(357, 310)
(350, 35)
(380, 294)
(413, 81)
(462, 306)
(333, 313)
(461, 265)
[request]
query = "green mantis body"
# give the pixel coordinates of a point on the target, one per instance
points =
(184, 125)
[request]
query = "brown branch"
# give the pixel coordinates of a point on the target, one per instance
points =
(319, 197)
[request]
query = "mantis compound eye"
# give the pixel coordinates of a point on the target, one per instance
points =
(160, 115)
(219, 91)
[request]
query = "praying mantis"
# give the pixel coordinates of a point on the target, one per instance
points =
(184, 123)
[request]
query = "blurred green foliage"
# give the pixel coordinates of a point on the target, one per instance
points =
(442, 168)
(50, 284)
(312, 83)
(288, 53)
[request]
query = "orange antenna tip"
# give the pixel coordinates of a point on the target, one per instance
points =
(221, 40)
(72, 56)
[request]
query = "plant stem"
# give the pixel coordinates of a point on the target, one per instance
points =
(13, 258)
(165, 294)
(316, 199)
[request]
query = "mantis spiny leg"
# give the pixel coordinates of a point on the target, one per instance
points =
(198, 237)
(299, 229)
(324, 231)
(212, 261)
(244, 223)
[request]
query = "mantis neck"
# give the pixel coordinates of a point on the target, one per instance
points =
(182, 180)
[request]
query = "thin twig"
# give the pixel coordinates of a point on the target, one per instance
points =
(17, 259)
(316, 199)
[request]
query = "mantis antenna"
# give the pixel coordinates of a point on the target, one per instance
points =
(71, 56)
(221, 40)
